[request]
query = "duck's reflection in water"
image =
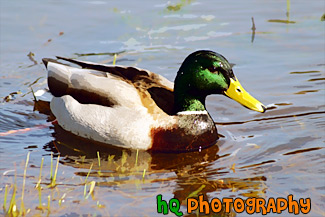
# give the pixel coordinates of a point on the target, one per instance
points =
(190, 174)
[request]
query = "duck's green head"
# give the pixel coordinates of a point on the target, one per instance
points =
(206, 72)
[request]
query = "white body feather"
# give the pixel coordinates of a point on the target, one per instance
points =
(119, 126)
(126, 124)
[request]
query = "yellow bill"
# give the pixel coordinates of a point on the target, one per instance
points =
(239, 94)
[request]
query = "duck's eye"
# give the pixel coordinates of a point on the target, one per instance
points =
(212, 69)
(238, 90)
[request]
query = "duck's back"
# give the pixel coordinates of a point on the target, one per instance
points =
(108, 85)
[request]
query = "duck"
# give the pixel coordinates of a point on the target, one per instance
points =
(134, 108)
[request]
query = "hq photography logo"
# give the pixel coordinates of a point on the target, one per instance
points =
(250, 205)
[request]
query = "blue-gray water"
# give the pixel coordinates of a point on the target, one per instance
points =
(274, 154)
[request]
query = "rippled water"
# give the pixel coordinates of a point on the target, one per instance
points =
(274, 154)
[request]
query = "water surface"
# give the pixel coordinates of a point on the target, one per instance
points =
(280, 62)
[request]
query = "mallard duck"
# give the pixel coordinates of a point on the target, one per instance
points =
(138, 109)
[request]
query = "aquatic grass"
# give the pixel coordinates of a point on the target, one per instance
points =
(114, 60)
(40, 207)
(5, 199)
(52, 185)
(99, 171)
(48, 204)
(91, 189)
(124, 158)
(51, 172)
(99, 54)
(123, 161)
(92, 184)
(143, 174)
(136, 158)
(45, 202)
(22, 206)
(56, 170)
(233, 168)
(31, 57)
(98, 157)
(100, 205)
(322, 17)
(85, 187)
(12, 211)
(40, 173)
(33, 93)
(287, 21)
(53, 178)
(110, 158)
(38, 186)
(83, 159)
(253, 30)
(288, 10)
(178, 6)
(196, 192)
(61, 199)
